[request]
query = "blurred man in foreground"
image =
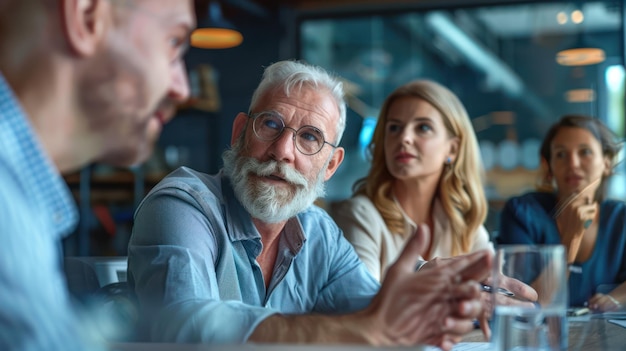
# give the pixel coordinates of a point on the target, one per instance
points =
(80, 81)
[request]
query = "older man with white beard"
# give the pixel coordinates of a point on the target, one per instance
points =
(245, 256)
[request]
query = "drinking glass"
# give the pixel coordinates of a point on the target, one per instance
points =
(522, 325)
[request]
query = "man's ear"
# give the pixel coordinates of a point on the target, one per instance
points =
(84, 23)
(238, 126)
(334, 163)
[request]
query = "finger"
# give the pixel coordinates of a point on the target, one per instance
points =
(587, 199)
(602, 304)
(518, 288)
(480, 269)
(443, 342)
(484, 326)
(503, 300)
(418, 243)
(457, 326)
(470, 266)
(436, 262)
(589, 207)
(594, 299)
(447, 345)
(448, 342)
(469, 308)
(441, 262)
(483, 321)
(465, 290)
(585, 213)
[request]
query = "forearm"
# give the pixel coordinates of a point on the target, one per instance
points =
(210, 322)
(321, 329)
(619, 293)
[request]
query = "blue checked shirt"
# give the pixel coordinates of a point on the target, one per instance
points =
(192, 263)
(36, 211)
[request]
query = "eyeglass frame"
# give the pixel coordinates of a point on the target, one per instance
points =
(254, 116)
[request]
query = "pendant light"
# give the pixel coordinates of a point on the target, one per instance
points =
(582, 53)
(215, 32)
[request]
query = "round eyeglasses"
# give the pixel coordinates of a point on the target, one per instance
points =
(268, 126)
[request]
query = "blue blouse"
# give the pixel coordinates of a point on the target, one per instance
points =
(527, 219)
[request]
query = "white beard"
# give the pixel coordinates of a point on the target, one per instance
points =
(264, 201)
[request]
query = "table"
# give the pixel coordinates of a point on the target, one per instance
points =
(588, 333)
(251, 347)
(585, 334)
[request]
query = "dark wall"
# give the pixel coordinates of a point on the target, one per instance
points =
(204, 135)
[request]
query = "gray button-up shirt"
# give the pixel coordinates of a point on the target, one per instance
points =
(192, 264)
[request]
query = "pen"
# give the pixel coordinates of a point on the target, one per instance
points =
(503, 291)
(507, 293)
(579, 311)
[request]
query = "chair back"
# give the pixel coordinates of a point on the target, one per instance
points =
(99, 284)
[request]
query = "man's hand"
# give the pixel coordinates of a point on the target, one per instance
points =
(436, 305)
(524, 294)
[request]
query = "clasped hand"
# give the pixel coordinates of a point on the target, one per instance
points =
(435, 306)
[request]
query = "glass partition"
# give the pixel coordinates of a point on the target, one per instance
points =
(508, 64)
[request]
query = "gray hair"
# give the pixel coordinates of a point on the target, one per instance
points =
(294, 74)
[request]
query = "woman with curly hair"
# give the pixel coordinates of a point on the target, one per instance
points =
(426, 168)
(570, 208)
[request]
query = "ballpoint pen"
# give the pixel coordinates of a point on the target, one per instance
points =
(503, 291)
(507, 293)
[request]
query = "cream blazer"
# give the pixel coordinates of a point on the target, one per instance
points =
(378, 248)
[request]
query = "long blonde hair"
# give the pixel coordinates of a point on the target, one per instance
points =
(460, 188)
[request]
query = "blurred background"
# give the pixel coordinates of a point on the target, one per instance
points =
(516, 65)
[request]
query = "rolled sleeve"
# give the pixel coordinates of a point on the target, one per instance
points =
(191, 310)
(172, 268)
(349, 286)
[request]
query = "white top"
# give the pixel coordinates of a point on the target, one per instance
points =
(378, 247)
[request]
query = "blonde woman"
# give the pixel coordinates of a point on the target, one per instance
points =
(426, 168)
